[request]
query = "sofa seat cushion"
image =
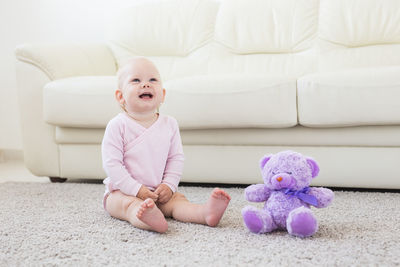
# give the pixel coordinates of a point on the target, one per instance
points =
(84, 101)
(232, 101)
(196, 102)
(353, 97)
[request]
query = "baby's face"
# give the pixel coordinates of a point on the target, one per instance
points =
(140, 88)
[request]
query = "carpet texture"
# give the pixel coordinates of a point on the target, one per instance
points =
(64, 224)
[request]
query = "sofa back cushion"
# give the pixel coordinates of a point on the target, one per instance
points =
(358, 34)
(267, 26)
(201, 37)
(355, 23)
(165, 28)
(271, 37)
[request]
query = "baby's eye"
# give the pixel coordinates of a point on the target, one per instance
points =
(136, 80)
(290, 173)
(273, 173)
(153, 80)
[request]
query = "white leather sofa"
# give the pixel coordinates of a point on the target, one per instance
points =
(243, 79)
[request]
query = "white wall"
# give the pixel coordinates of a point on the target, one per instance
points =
(26, 21)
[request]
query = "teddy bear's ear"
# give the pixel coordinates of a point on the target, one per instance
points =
(314, 167)
(264, 161)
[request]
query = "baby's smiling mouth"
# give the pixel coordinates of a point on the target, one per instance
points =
(146, 96)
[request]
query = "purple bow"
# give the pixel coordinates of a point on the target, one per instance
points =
(302, 194)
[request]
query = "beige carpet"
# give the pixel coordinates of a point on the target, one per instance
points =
(64, 224)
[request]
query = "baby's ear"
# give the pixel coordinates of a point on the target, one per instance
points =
(314, 167)
(119, 96)
(264, 161)
(164, 92)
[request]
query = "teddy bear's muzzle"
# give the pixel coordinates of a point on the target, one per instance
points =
(282, 180)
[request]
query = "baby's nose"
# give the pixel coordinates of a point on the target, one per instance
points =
(279, 179)
(145, 85)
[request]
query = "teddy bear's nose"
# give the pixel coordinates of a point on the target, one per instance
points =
(279, 179)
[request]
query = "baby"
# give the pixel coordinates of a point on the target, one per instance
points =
(143, 158)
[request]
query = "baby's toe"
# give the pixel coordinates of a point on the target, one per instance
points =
(217, 192)
(221, 194)
(149, 203)
(226, 195)
(139, 213)
(143, 206)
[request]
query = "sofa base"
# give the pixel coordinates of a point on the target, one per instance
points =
(57, 179)
(361, 167)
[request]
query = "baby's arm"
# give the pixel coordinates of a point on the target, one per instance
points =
(324, 196)
(174, 165)
(257, 193)
(113, 164)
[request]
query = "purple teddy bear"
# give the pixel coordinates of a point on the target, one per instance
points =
(287, 176)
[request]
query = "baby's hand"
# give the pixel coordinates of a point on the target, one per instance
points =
(164, 193)
(145, 193)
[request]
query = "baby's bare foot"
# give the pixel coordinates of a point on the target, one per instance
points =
(215, 206)
(152, 216)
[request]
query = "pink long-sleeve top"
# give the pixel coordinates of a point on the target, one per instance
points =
(134, 155)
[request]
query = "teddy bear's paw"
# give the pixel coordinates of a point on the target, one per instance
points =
(326, 197)
(257, 221)
(301, 222)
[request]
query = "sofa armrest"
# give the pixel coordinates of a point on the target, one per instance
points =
(37, 65)
(65, 60)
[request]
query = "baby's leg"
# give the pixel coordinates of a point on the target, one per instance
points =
(141, 214)
(209, 213)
